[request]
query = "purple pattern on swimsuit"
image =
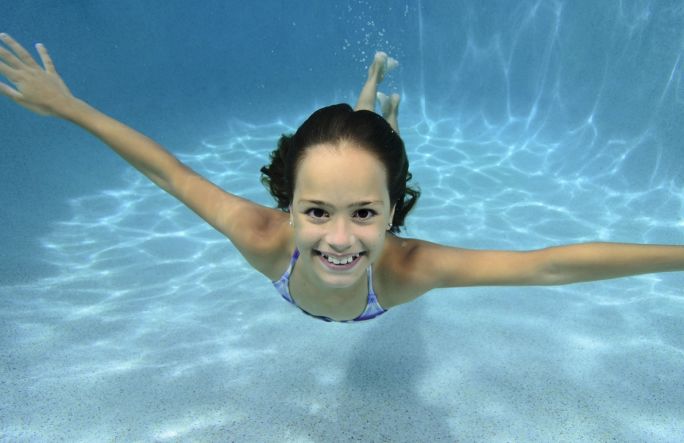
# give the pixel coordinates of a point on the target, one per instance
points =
(373, 308)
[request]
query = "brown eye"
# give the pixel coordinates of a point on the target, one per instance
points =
(365, 214)
(315, 213)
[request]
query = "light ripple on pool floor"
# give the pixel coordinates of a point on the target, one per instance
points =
(153, 320)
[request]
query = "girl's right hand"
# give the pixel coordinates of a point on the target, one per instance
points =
(40, 90)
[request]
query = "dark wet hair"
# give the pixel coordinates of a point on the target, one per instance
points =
(334, 124)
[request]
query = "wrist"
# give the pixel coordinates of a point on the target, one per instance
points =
(71, 109)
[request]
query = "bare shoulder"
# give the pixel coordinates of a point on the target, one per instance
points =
(261, 234)
(266, 246)
(401, 270)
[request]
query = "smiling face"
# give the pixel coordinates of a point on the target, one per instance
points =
(340, 209)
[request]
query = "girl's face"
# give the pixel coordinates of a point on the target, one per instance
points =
(340, 211)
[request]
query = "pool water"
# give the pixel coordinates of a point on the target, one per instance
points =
(124, 317)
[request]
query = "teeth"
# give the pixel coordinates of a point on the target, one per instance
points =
(344, 261)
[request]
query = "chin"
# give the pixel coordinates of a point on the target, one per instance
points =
(341, 283)
(342, 280)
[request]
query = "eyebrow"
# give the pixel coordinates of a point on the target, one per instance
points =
(352, 205)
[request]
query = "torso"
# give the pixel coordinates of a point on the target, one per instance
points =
(391, 278)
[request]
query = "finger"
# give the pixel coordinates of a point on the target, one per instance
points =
(46, 59)
(9, 92)
(9, 58)
(7, 71)
(19, 50)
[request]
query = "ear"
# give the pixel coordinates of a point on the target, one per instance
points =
(392, 213)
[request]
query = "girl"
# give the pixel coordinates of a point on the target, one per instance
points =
(340, 182)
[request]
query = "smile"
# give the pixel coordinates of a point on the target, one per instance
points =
(342, 261)
(339, 263)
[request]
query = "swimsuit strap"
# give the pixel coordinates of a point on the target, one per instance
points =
(373, 308)
(282, 283)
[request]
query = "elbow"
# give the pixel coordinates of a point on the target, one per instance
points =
(175, 179)
(553, 275)
(550, 271)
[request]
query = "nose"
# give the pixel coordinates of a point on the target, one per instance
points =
(340, 236)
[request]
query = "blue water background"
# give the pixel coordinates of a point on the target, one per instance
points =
(527, 123)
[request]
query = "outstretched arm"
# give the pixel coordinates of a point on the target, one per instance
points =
(443, 266)
(248, 225)
(43, 91)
